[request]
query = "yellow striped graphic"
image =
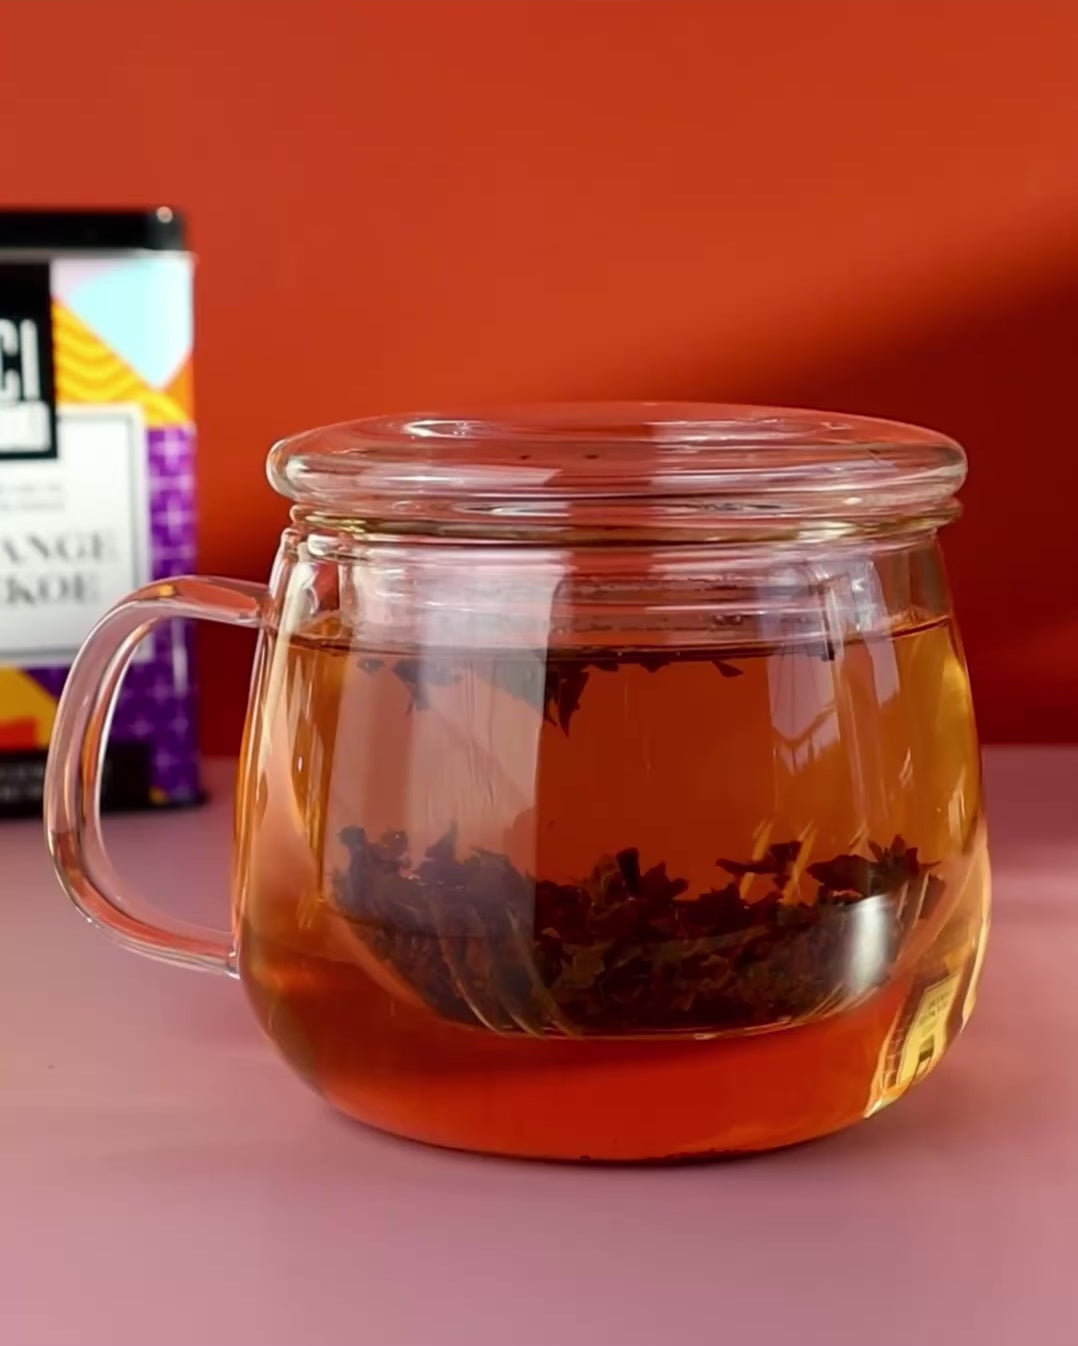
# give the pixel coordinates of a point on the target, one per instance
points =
(88, 371)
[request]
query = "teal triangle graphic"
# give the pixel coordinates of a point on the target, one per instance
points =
(141, 308)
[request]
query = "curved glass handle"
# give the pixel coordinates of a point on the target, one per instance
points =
(77, 754)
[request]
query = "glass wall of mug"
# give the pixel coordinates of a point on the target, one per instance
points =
(626, 850)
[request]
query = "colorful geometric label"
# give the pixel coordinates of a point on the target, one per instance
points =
(97, 448)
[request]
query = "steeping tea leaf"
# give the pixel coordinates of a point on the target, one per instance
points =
(624, 950)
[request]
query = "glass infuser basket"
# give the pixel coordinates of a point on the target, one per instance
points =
(610, 785)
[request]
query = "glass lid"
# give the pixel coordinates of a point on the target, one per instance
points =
(630, 467)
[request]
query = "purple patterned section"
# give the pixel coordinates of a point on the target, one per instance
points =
(157, 703)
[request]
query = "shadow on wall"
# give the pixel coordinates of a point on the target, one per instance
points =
(1004, 382)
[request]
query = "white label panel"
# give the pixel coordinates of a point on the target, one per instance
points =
(74, 534)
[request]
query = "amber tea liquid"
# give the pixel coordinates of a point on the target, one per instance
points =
(614, 904)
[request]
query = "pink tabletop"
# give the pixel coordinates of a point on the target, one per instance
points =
(163, 1179)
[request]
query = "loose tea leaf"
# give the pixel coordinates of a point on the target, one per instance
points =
(626, 950)
(777, 860)
(564, 687)
(554, 686)
(888, 869)
(420, 675)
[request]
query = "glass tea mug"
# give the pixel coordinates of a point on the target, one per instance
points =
(610, 785)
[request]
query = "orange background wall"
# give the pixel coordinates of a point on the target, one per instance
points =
(868, 204)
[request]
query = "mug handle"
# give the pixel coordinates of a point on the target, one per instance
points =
(77, 755)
